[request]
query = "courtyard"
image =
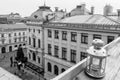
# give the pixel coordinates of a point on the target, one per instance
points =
(5, 63)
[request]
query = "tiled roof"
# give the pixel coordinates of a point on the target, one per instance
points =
(89, 19)
(116, 18)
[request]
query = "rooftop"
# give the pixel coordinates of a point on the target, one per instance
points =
(90, 19)
(11, 27)
(112, 66)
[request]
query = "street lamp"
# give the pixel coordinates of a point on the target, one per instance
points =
(96, 60)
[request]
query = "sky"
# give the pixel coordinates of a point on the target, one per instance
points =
(27, 7)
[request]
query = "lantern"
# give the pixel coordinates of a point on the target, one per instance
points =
(96, 60)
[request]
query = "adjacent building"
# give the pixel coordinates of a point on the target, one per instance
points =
(12, 36)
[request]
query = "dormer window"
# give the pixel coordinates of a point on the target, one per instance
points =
(35, 16)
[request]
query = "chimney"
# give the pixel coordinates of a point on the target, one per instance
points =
(92, 10)
(56, 9)
(118, 11)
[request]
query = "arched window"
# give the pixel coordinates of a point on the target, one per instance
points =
(34, 56)
(20, 45)
(3, 50)
(62, 70)
(10, 48)
(56, 70)
(49, 67)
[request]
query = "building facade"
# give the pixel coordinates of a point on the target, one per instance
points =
(56, 45)
(67, 40)
(12, 36)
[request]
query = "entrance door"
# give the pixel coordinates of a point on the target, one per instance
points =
(3, 50)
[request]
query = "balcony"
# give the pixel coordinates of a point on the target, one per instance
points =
(112, 66)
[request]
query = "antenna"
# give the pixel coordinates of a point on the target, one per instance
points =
(44, 2)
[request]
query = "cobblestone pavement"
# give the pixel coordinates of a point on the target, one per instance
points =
(5, 63)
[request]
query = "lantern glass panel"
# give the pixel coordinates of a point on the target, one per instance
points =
(96, 61)
(103, 65)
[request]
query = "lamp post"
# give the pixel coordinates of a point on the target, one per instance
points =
(96, 59)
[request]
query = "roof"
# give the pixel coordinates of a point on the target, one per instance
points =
(80, 10)
(41, 13)
(5, 75)
(112, 65)
(89, 19)
(116, 18)
(11, 27)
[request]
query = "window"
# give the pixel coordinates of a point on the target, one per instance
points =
(19, 39)
(34, 30)
(64, 35)
(56, 70)
(19, 33)
(9, 40)
(39, 43)
(64, 53)
(29, 56)
(73, 36)
(3, 41)
(110, 39)
(23, 33)
(15, 39)
(83, 55)
(15, 46)
(34, 56)
(14, 34)
(29, 41)
(35, 16)
(49, 67)
(2, 35)
(84, 38)
(34, 42)
(29, 29)
(49, 49)
(49, 33)
(73, 56)
(96, 36)
(56, 51)
(3, 50)
(38, 59)
(24, 44)
(9, 35)
(62, 70)
(56, 34)
(23, 38)
(38, 31)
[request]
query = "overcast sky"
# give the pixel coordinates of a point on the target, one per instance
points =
(27, 7)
